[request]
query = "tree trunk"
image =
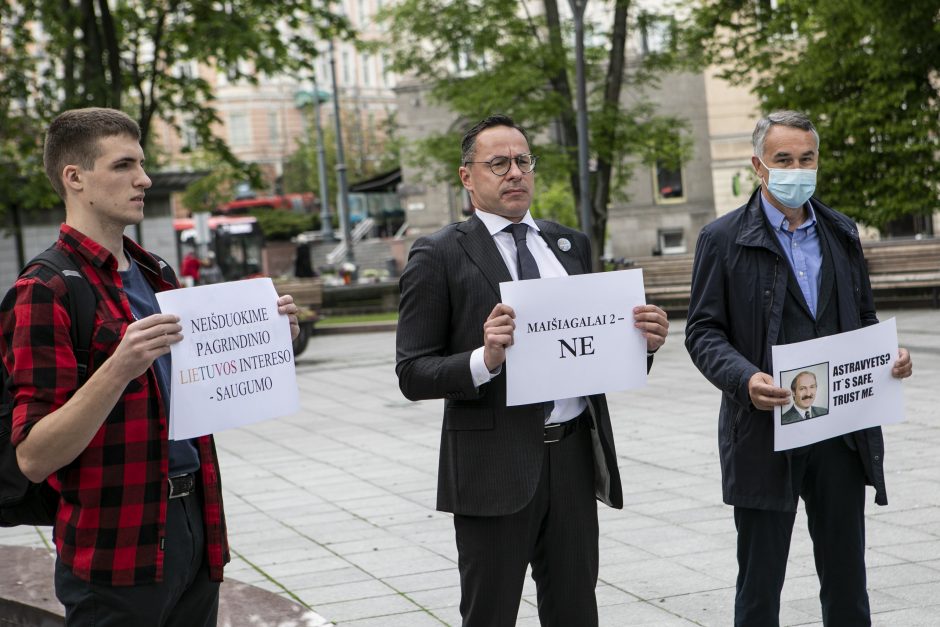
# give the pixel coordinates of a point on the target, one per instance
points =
(94, 77)
(605, 143)
(567, 124)
(114, 55)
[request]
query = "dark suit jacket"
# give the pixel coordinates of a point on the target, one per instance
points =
(491, 454)
(794, 415)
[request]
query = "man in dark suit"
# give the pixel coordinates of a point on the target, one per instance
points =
(803, 390)
(781, 269)
(521, 481)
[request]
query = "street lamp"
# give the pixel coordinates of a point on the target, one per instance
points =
(302, 99)
(577, 8)
(341, 163)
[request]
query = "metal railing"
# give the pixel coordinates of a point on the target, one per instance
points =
(338, 253)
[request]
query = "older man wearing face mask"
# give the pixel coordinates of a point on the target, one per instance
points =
(785, 268)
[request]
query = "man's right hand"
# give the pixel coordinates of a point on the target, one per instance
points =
(497, 335)
(764, 394)
(144, 341)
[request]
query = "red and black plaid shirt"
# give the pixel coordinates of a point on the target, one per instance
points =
(110, 526)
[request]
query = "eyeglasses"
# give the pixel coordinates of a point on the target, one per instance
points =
(501, 165)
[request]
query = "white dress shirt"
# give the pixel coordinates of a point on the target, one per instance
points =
(549, 267)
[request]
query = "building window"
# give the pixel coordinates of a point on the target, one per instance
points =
(366, 70)
(274, 127)
(657, 33)
(671, 242)
(189, 136)
(347, 75)
(239, 130)
(667, 182)
(363, 15)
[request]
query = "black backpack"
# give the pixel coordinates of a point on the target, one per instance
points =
(23, 502)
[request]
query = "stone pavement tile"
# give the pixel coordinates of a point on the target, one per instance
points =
(379, 539)
(722, 525)
(371, 607)
(924, 595)
(910, 617)
(914, 552)
(669, 541)
(880, 534)
(657, 578)
(448, 615)
(430, 580)
(695, 513)
(660, 508)
(275, 532)
(401, 561)
(613, 551)
(266, 559)
(438, 598)
(612, 595)
(902, 574)
(719, 563)
(913, 516)
(345, 574)
(639, 614)
(708, 607)
(316, 596)
(408, 619)
(304, 568)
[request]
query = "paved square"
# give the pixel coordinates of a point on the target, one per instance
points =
(334, 507)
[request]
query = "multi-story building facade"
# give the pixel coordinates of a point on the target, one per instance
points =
(265, 122)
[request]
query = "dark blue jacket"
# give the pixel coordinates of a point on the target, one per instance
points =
(739, 283)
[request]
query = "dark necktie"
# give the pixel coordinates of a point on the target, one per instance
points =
(526, 268)
(807, 414)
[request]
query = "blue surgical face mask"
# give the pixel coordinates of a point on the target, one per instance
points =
(791, 186)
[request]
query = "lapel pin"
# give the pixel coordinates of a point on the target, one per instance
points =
(564, 245)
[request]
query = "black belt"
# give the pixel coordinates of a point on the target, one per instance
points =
(558, 431)
(183, 485)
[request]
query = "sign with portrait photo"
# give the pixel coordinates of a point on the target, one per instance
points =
(839, 384)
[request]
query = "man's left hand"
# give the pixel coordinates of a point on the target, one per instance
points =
(651, 320)
(286, 306)
(903, 366)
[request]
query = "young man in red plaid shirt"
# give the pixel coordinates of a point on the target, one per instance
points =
(139, 532)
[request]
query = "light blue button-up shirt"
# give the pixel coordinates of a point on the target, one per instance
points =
(802, 248)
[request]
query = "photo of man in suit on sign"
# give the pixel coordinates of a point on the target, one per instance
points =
(804, 389)
(521, 481)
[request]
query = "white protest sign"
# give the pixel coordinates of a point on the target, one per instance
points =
(574, 336)
(235, 364)
(841, 383)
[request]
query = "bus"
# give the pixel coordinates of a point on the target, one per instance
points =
(236, 241)
(295, 203)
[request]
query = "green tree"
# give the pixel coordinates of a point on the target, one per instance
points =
(378, 151)
(141, 57)
(486, 56)
(865, 72)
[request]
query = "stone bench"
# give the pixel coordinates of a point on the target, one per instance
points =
(27, 597)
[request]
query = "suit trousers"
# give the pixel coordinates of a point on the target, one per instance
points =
(830, 478)
(556, 532)
(185, 598)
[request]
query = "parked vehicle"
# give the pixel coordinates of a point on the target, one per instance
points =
(237, 242)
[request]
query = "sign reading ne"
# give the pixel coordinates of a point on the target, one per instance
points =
(839, 383)
(574, 336)
(235, 364)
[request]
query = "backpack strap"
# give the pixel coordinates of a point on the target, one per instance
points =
(166, 270)
(82, 302)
